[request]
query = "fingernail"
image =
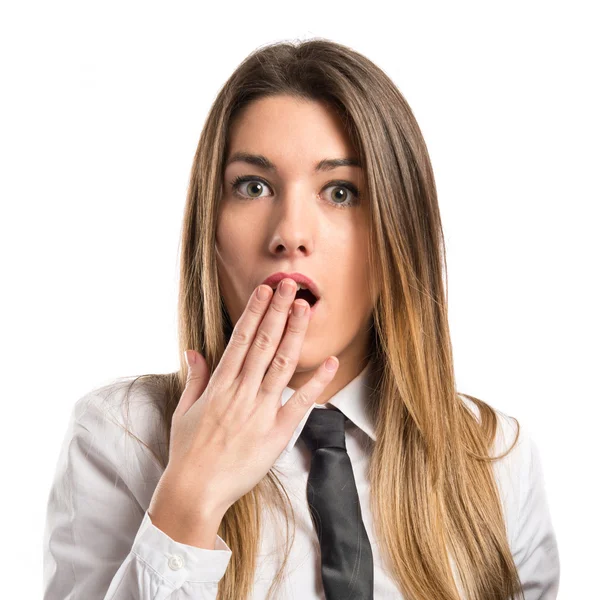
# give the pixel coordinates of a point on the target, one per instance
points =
(298, 309)
(330, 364)
(262, 293)
(190, 358)
(287, 289)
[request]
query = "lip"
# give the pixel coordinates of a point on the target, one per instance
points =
(274, 279)
(313, 308)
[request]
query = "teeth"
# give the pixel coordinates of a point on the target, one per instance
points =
(299, 286)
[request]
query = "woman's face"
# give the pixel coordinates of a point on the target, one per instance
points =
(292, 218)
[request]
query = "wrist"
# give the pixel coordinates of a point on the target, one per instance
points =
(183, 516)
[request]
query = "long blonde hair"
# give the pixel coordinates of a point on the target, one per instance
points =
(433, 488)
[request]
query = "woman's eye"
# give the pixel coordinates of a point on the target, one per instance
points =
(253, 190)
(340, 195)
(343, 195)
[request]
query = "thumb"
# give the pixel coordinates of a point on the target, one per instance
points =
(196, 382)
(303, 400)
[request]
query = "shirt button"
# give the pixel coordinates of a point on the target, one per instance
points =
(175, 562)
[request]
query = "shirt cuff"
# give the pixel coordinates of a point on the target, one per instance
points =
(178, 562)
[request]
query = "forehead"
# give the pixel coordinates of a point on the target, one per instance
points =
(283, 128)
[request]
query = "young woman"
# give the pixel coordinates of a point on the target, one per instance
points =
(218, 480)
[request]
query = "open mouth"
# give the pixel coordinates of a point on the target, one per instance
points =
(304, 295)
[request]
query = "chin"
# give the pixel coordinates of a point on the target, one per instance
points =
(309, 361)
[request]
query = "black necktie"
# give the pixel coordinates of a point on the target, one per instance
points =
(346, 557)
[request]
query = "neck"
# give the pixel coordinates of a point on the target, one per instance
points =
(350, 367)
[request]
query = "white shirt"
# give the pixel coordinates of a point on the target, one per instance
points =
(100, 543)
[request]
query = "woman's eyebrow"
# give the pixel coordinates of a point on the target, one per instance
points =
(258, 160)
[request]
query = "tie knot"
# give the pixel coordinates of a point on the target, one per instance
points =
(324, 428)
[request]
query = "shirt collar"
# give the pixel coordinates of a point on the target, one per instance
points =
(352, 400)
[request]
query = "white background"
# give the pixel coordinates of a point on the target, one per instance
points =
(102, 108)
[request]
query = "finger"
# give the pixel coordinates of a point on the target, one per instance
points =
(198, 377)
(243, 335)
(294, 410)
(286, 358)
(268, 336)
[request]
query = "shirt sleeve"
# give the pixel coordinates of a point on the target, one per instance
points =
(535, 549)
(99, 542)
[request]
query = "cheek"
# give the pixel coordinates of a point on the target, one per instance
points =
(350, 289)
(358, 290)
(236, 232)
(355, 283)
(229, 241)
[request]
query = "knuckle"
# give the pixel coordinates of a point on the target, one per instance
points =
(295, 327)
(239, 338)
(263, 340)
(280, 308)
(302, 398)
(281, 363)
(256, 307)
(191, 378)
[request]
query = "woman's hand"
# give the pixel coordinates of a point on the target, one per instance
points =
(229, 429)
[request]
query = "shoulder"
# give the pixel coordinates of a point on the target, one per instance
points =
(519, 470)
(122, 420)
(509, 429)
(120, 400)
